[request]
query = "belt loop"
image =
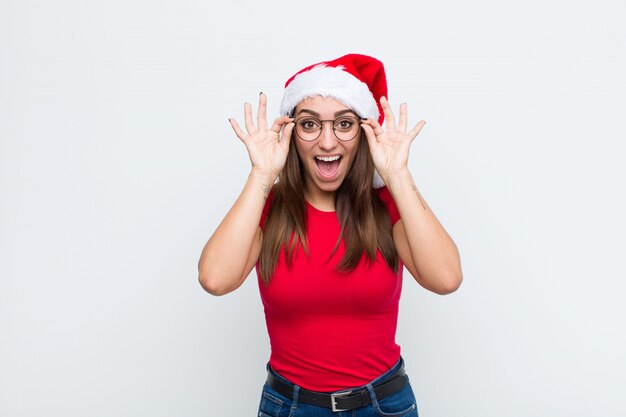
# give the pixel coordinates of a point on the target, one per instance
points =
(370, 389)
(294, 402)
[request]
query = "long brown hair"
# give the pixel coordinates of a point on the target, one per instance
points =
(364, 219)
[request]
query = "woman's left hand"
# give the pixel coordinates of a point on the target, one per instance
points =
(390, 149)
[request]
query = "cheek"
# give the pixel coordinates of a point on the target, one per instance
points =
(299, 152)
(353, 149)
(305, 152)
(303, 155)
(300, 149)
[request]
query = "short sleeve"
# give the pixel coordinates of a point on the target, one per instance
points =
(385, 196)
(266, 209)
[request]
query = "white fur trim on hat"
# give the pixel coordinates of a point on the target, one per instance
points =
(325, 81)
(377, 182)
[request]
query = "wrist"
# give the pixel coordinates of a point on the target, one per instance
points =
(263, 178)
(398, 179)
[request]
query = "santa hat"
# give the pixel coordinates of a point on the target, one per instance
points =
(358, 81)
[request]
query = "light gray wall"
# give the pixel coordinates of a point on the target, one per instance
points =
(117, 162)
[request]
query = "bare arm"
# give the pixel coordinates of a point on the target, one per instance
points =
(231, 252)
(424, 246)
(233, 249)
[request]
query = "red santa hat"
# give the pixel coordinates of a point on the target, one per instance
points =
(358, 81)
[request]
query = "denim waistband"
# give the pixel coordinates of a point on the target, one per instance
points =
(398, 365)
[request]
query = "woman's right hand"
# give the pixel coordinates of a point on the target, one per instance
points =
(267, 147)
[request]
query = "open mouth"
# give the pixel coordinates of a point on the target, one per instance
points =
(328, 165)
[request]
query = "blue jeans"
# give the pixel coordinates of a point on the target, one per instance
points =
(399, 404)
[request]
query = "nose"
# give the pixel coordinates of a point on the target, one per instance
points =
(327, 139)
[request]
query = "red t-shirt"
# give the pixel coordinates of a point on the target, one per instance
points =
(328, 330)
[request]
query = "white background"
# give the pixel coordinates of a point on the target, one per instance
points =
(117, 162)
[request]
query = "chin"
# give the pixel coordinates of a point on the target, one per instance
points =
(330, 186)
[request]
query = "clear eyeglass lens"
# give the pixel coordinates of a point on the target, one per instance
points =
(345, 128)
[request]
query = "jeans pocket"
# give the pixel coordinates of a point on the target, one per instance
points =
(400, 404)
(270, 405)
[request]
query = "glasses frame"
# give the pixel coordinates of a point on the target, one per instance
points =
(358, 119)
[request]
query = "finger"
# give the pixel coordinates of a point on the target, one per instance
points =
(418, 127)
(403, 118)
(370, 136)
(240, 134)
(374, 125)
(285, 137)
(247, 112)
(261, 120)
(389, 118)
(279, 123)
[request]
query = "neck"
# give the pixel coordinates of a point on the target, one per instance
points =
(321, 200)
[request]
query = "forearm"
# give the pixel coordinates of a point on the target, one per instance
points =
(225, 256)
(434, 254)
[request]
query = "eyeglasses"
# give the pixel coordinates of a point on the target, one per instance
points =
(346, 127)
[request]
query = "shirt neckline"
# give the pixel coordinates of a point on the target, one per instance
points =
(320, 212)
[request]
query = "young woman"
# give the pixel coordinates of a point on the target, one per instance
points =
(330, 216)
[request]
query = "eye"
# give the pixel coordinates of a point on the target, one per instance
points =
(310, 124)
(345, 123)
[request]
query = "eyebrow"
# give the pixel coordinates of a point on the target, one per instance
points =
(339, 113)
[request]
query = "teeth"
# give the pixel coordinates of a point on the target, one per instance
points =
(328, 158)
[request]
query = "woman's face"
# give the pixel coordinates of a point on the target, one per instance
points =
(326, 160)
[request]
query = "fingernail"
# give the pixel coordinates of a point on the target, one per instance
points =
(363, 119)
(261, 93)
